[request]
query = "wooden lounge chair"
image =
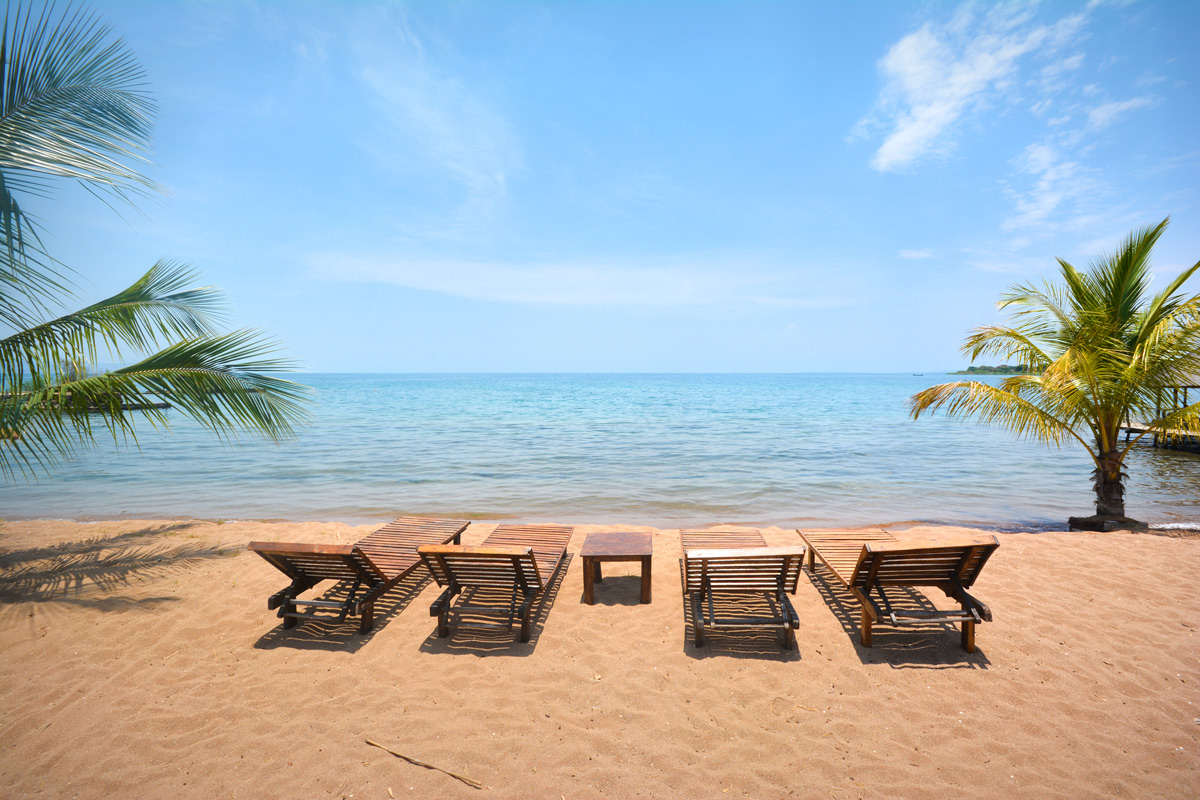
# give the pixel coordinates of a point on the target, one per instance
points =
(374, 564)
(725, 569)
(867, 561)
(521, 558)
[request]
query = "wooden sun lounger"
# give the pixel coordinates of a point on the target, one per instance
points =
(867, 561)
(375, 565)
(731, 565)
(522, 558)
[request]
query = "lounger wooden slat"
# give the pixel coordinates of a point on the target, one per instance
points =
(867, 561)
(724, 566)
(375, 564)
(521, 558)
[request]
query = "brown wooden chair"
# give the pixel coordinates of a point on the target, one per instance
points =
(866, 561)
(519, 558)
(724, 570)
(374, 564)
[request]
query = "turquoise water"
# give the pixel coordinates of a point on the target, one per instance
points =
(663, 450)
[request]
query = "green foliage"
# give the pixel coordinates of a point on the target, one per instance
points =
(72, 106)
(1003, 369)
(1099, 349)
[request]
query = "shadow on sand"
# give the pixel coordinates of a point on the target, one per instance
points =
(90, 572)
(486, 633)
(617, 590)
(735, 642)
(930, 645)
(344, 636)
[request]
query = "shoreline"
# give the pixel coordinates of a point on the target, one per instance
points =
(1184, 529)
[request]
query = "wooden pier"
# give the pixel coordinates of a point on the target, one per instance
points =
(1173, 439)
(1182, 439)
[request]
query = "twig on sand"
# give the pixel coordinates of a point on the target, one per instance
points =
(468, 781)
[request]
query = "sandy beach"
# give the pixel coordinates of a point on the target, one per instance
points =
(140, 660)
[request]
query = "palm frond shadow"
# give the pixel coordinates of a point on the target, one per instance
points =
(343, 636)
(91, 572)
(735, 643)
(928, 645)
(495, 639)
(91, 545)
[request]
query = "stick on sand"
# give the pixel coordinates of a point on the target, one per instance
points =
(468, 781)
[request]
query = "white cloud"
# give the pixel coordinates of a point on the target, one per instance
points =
(938, 74)
(1102, 116)
(913, 254)
(673, 282)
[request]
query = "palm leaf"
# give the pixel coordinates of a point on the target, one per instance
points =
(73, 105)
(156, 309)
(1102, 349)
(216, 380)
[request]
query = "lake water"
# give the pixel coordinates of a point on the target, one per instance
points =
(663, 450)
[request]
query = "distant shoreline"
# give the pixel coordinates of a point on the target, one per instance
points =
(1003, 369)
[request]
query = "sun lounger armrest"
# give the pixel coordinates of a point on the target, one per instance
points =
(300, 548)
(745, 552)
(474, 550)
(921, 545)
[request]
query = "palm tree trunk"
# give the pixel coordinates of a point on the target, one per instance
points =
(1108, 479)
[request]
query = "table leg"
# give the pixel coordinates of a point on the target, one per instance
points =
(588, 588)
(645, 579)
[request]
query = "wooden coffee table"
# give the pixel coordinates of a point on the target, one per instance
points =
(619, 546)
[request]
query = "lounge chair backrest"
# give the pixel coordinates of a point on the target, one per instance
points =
(717, 539)
(498, 566)
(317, 562)
(752, 569)
(923, 563)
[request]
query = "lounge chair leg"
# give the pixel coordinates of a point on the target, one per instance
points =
(525, 624)
(698, 620)
(968, 636)
(865, 634)
(444, 622)
(288, 607)
(789, 637)
(368, 618)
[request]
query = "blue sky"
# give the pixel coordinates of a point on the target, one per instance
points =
(645, 187)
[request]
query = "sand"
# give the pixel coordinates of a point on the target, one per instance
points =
(139, 660)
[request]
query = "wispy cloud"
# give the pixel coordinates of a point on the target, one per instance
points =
(674, 282)
(432, 121)
(941, 73)
(1055, 181)
(1104, 115)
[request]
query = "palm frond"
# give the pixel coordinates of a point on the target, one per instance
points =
(73, 105)
(993, 405)
(1006, 344)
(157, 308)
(218, 381)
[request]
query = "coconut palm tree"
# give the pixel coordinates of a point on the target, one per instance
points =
(1100, 349)
(72, 106)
